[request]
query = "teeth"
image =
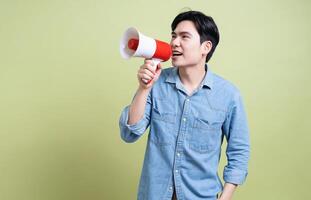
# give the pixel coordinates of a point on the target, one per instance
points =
(176, 53)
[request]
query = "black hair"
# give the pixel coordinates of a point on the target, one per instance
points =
(205, 26)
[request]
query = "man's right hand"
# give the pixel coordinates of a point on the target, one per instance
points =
(148, 74)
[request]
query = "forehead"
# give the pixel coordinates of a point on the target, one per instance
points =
(186, 26)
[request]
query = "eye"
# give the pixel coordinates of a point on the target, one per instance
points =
(173, 36)
(185, 36)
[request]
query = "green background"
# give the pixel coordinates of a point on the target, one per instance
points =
(63, 85)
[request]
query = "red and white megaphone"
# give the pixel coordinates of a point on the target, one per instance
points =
(135, 44)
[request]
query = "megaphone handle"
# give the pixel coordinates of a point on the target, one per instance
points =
(155, 65)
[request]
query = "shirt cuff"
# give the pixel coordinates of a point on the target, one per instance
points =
(235, 176)
(138, 128)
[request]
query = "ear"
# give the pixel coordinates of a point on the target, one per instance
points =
(206, 47)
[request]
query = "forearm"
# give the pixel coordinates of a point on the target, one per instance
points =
(228, 191)
(138, 105)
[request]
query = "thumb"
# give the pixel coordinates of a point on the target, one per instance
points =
(159, 68)
(158, 71)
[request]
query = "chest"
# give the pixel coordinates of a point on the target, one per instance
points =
(197, 109)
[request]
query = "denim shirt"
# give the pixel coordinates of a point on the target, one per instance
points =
(186, 133)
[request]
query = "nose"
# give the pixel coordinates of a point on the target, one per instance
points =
(175, 42)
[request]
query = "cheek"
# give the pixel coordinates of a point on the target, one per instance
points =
(192, 46)
(193, 51)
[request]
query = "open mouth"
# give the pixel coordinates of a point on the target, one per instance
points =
(176, 53)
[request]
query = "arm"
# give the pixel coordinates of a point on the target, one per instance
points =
(236, 132)
(138, 105)
(135, 118)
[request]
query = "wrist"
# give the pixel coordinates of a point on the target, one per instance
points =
(143, 90)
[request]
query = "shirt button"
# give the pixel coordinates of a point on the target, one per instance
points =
(176, 170)
(171, 188)
(184, 119)
(188, 100)
(178, 154)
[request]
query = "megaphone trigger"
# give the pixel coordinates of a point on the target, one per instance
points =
(156, 62)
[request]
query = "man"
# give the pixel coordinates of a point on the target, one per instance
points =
(189, 110)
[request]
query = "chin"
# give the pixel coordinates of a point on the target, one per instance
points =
(176, 63)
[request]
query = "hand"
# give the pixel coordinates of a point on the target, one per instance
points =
(223, 198)
(220, 198)
(148, 74)
(227, 193)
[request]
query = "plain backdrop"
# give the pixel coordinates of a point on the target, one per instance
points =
(63, 85)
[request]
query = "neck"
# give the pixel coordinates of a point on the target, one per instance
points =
(191, 76)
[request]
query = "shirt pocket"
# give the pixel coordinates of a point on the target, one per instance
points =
(163, 124)
(207, 124)
(163, 116)
(205, 135)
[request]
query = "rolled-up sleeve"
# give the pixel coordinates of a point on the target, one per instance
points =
(131, 133)
(236, 132)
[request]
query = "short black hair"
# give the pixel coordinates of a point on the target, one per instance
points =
(205, 26)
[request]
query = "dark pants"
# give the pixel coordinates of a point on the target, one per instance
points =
(174, 195)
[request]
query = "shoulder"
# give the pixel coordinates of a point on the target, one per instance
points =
(224, 93)
(224, 85)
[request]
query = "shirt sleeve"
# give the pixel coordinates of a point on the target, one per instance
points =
(236, 132)
(131, 133)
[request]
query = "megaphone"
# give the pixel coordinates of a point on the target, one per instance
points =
(135, 44)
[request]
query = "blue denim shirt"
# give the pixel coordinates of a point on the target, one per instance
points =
(185, 138)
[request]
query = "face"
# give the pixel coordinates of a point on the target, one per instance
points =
(186, 47)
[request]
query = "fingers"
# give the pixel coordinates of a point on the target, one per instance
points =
(149, 73)
(145, 79)
(150, 65)
(146, 72)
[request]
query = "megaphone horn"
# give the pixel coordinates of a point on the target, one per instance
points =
(133, 43)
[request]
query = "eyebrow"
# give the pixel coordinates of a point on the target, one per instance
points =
(181, 33)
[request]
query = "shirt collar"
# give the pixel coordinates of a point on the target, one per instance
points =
(207, 81)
